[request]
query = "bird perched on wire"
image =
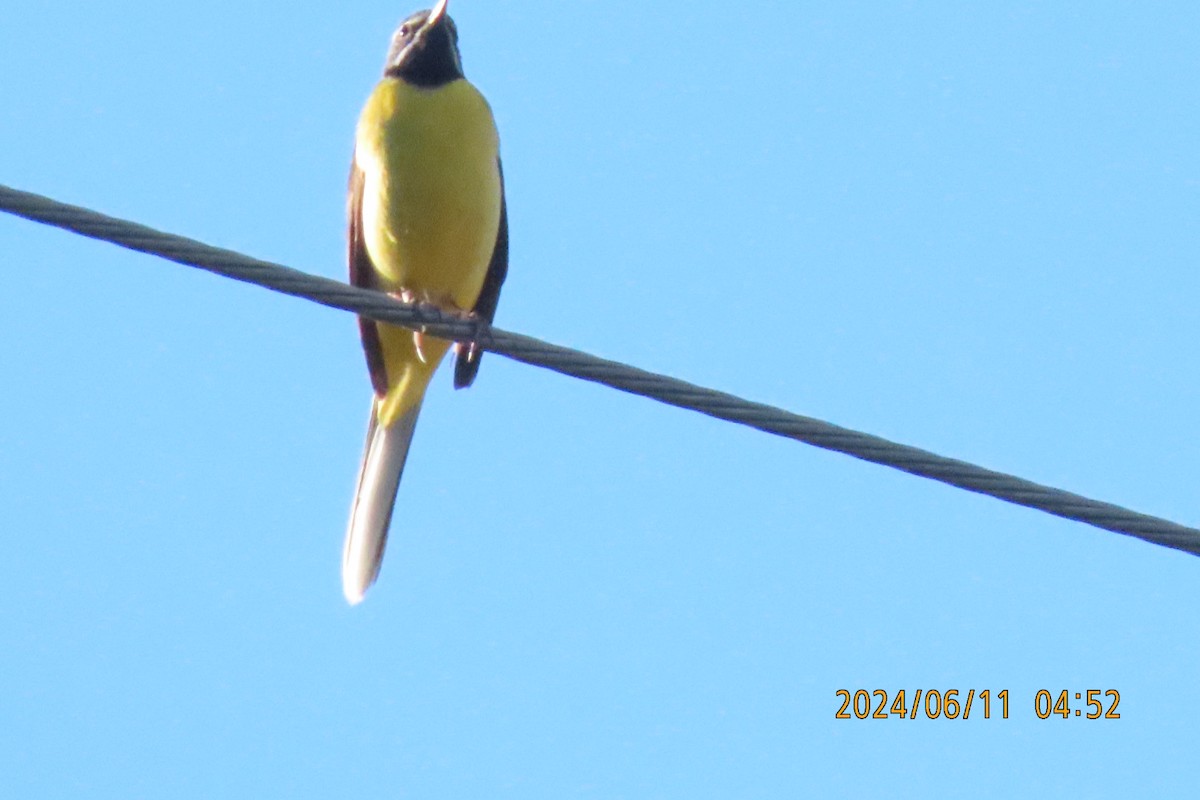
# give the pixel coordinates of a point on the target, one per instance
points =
(428, 224)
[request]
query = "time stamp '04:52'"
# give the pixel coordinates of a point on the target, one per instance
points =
(956, 704)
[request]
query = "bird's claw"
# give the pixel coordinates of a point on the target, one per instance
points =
(424, 306)
(478, 326)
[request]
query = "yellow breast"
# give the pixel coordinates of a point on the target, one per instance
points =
(431, 195)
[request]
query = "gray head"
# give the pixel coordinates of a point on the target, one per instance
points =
(424, 49)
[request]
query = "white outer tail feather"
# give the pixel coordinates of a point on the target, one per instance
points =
(378, 480)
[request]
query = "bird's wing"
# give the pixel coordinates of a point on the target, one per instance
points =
(362, 273)
(466, 365)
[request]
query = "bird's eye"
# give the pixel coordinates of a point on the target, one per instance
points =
(405, 30)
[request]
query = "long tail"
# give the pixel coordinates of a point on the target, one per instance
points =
(378, 479)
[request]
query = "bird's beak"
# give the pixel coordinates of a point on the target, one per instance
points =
(438, 12)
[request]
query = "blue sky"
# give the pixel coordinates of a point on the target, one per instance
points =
(968, 229)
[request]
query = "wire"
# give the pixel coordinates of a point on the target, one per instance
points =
(384, 308)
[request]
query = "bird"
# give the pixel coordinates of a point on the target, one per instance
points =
(428, 224)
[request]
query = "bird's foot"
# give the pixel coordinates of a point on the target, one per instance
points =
(478, 326)
(427, 308)
(424, 308)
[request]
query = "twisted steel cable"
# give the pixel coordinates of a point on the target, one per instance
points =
(577, 364)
